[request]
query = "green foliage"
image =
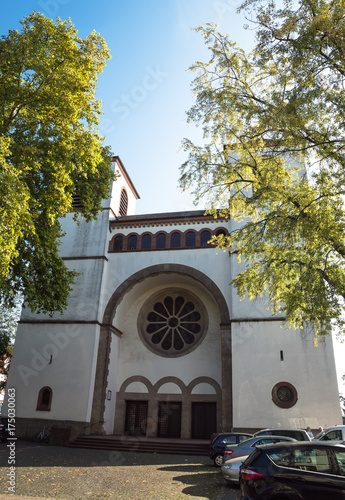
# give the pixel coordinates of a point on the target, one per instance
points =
(274, 155)
(49, 149)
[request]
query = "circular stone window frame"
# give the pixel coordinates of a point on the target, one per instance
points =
(147, 307)
(279, 402)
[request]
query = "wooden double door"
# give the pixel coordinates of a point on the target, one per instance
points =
(203, 419)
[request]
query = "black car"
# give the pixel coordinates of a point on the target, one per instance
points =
(3, 429)
(294, 471)
(220, 441)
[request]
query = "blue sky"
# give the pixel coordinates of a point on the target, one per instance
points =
(145, 87)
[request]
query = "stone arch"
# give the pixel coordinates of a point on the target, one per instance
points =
(150, 271)
(119, 294)
(136, 378)
(205, 380)
(170, 380)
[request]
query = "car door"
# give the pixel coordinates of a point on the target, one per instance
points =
(314, 475)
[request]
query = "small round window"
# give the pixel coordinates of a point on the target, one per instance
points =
(172, 323)
(284, 395)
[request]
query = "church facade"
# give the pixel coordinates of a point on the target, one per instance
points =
(156, 342)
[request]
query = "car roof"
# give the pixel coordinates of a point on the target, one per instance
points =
(301, 444)
(334, 428)
(254, 438)
(280, 429)
(235, 434)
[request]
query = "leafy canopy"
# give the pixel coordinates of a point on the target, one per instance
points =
(273, 156)
(49, 149)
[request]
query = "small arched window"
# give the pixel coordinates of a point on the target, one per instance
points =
(118, 244)
(205, 238)
(44, 399)
(146, 242)
(175, 241)
(123, 203)
(132, 242)
(160, 241)
(190, 239)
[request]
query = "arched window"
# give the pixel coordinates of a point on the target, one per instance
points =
(123, 203)
(190, 239)
(118, 244)
(221, 231)
(44, 399)
(175, 241)
(132, 242)
(146, 242)
(160, 241)
(205, 238)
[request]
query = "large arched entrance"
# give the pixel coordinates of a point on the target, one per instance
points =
(164, 341)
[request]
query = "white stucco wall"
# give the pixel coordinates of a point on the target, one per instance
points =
(257, 367)
(70, 374)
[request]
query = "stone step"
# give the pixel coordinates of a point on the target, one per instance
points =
(143, 445)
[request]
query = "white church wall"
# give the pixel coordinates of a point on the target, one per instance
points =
(83, 301)
(258, 349)
(62, 357)
(245, 308)
(213, 264)
(84, 239)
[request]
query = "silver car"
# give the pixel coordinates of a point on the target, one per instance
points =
(247, 446)
(299, 434)
(237, 455)
(231, 469)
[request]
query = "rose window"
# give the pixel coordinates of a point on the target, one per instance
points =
(284, 395)
(173, 324)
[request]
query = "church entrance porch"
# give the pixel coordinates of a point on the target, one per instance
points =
(187, 411)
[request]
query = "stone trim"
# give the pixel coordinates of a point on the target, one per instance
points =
(91, 257)
(101, 380)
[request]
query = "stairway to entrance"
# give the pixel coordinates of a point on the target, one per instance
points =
(143, 444)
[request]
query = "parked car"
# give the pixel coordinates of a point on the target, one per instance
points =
(298, 434)
(3, 430)
(231, 469)
(220, 441)
(300, 470)
(248, 446)
(336, 433)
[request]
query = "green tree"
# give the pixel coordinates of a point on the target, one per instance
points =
(50, 149)
(273, 157)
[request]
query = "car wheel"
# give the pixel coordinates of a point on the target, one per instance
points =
(218, 460)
